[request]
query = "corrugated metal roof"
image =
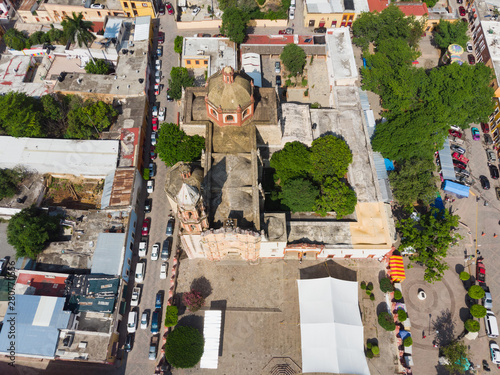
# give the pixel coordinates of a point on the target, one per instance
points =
(142, 27)
(447, 169)
(385, 190)
(363, 97)
(455, 188)
(106, 191)
(380, 165)
(108, 254)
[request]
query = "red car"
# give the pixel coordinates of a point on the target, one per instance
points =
(462, 11)
(170, 9)
(460, 157)
(459, 164)
(145, 226)
(161, 37)
(471, 58)
(485, 128)
(154, 122)
(455, 133)
(152, 153)
(480, 272)
(282, 32)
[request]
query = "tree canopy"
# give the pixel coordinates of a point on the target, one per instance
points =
(30, 230)
(179, 78)
(430, 237)
(330, 156)
(9, 181)
(21, 115)
(456, 354)
(336, 196)
(16, 39)
(78, 30)
(178, 42)
(299, 195)
(413, 182)
(175, 145)
(234, 24)
(292, 161)
(451, 33)
(98, 67)
(89, 120)
(294, 58)
(184, 347)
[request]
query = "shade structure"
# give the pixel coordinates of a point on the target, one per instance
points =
(211, 334)
(397, 268)
(331, 328)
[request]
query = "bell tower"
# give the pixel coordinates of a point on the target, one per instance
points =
(191, 210)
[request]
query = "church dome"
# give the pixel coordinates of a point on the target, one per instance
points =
(229, 90)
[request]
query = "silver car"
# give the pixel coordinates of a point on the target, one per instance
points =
(488, 301)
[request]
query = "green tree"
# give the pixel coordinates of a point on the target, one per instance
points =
(430, 237)
(430, 3)
(224, 4)
(78, 30)
(294, 58)
(234, 24)
(330, 157)
(88, 121)
(386, 321)
(38, 37)
(55, 35)
(386, 285)
(408, 341)
(299, 195)
(171, 316)
(292, 161)
(414, 182)
(21, 115)
(30, 230)
(179, 78)
(476, 292)
(456, 355)
(451, 33)
(464, 276)
(472, 325)
(178, 42)
(16, 39)
(402, 316)
(397, 294)
(184, 347)
(97, 67)
(335, 196)
(478, 311)
(174, 145)
(9, 181)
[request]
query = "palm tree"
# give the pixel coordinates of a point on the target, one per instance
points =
(77, 29)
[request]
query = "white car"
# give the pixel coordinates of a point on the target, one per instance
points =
(161, 114)
(469, 47)
(154, 111)
(136, 294)
(495, 353)
(132, 322)
(163, 270)
(153, 138)
(143, 245)
(487, 301)
(155, 250)
(97, 6)
(196, 11)
(157, 76)
(150, 188)
(144, 320)
(158, 64)
(291, 13)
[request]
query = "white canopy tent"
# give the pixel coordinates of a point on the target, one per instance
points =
(331, 328)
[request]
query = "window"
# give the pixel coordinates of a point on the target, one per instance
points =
(311, 23)
(205, 62)
(133, 235)
(245, 113)
(126, 272)
(99, 14)
(348, 256)
(334, 23)
(188, 61)
(131, 246)
(229, 118)
(64, 13)
(133, 5)
(214, 113)
(125, 4)
(128, 14)
(135, 13)
(197, 62)
(128, 261)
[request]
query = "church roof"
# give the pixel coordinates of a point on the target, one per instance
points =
(188, 196)
(229, 95)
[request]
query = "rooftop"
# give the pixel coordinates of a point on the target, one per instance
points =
(13, 76)
(220, 51)
(273, 44)
(409, 9)
(108, 254)
(229, 95)
(88, 158)
(41, 283)
(336, 6)
(83, 346)
(123, 184)
(296, 124)
(108, 4)
(340, 63)
(491, 31)
(38, 320)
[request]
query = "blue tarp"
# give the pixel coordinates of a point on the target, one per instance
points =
(438, 203)
(404, 334)
(389, 165)
(455, 188)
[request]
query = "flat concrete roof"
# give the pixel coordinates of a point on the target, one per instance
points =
(340, 62)
(95, 346)
(108, 4)
(296, 124)
(222, 52)
(13, 71)
(89, 158)
(335, 6)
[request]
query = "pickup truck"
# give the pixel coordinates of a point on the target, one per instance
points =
(136, 294)
(143, 246)
(153, 347)
(460, 157)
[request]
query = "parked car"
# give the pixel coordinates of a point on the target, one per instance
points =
(471, 58)
(458, 149)
(462, 172)
(154, 123)
(493, 172)
(488, 300)
(153, 138)
(461, 9)
(485, 183)
(150, 186)
(169, 98)
(490, 155)
(147, 205)
(196, 11)
(469, 47)
(460, 1)
(128, 343)
(159, 300)
(154, 111)
(455, 133)
(140, 269)
(161, 37)
(495, 353)
(152, 153)
(487, 139)
(485, 127)
(475, 134)
(145, 226)
(161, 114)
(170, 9)
(170, 227)
(143, 246)
(136, 295)
(278, 81)
(155, 251)
(161, 11)
(163, 271)
(152, 169)
(497, 191)
(144, 320)
(167, 245)
(282, 32)
(480, 272)
(291, 13)
(459, 164)
(460, 157)
(132, 321)
(154, 323)
(159, 51)
(97, 6)
(277, 67)
(320, 30)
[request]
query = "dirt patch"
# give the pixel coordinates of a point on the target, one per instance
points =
(75, 193)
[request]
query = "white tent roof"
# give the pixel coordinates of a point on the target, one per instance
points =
(331, 328)
(211, 333)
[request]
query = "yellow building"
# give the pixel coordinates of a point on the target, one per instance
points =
(139, 8)
(333, 13)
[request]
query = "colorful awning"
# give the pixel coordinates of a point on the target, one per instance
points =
(397, 268)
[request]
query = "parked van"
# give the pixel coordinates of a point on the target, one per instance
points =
(132, 322)
(491, 325)
(139, 272)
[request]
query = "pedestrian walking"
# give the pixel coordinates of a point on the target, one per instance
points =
(482, 233)
(494, 235)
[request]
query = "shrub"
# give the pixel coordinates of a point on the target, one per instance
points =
(372, 297)
(402, 316)
(304, 82)
(386, 285)
(478, 311)
(397, 294)
(472, 325)
(193, 300)
(386, 321)
(145, 174)
(315, 105)
(476, 292)
(464, 276)
(369, 354)
(369, 286)
(369, 345)
(363, 285)
(368, 292)
(306, 93)
(171, 317)
(184, 347)
(178, 42)
(408, 341)
(288, 82)
(375, 350)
